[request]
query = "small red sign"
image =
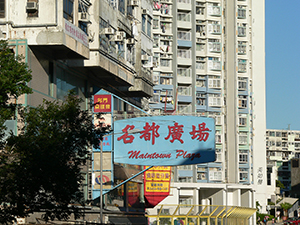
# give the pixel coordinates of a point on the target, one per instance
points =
(102, 103)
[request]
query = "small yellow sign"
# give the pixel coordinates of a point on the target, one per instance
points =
(157, 187)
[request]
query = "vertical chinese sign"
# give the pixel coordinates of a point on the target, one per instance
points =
(102, 119)
(156, 185)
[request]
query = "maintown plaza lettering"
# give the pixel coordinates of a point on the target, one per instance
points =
(179, 153)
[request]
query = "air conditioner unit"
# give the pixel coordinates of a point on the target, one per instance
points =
(130, 41)
(121, 33)
(145, 11)
(109, 31)
(83, 17)
(144, 57)
(118, 38)
(31, 7)
(134, 3)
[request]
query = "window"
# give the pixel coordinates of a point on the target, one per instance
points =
(214, 46)
(214, 83)
(242, 65)
(242, 84)
(214, 28)
(200, 83)
(184, 35)
(185, 179)
(214, 9)
(183, 72)
(243, 138)
(184, 53)
(243, 156)
(184, 90)
(242, 121)
(201, 176)
(242, 47)
(242, 30)
(184, 108)
(68, 10)
(200, 47)
(184, 17)
(200, 65)
(122, 6)
(166, 81)
(214, 174)
(184, 1)
(243, 174)
(214, 63)
(164, 62)
(149, 26)
(214, 100)
(2, 8)
(144, 23)
(185, 167)
(242, 101)
(66, 81)
(185, 200)
(241, 12)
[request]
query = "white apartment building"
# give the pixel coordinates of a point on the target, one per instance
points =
(209, 60)
(282, 146)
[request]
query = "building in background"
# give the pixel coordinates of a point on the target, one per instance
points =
(283, 150)
(209, 60)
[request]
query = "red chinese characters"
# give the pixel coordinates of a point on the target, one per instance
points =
(151, 132)
(126, 137)
(200, 134)
(176, 133)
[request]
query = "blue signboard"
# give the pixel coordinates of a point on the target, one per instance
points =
(164, 140)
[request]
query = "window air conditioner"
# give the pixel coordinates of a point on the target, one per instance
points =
(118, 38)
(145, 11)
(109, 31)
(83, 17)
(31, 7)
(144, 57)
(121, 33)
(134, 3)
(130, 41)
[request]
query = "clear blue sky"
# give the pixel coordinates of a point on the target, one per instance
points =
(283, 64)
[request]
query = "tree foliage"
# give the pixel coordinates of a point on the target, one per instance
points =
(40, 169)
(14, 76)
(279, 184)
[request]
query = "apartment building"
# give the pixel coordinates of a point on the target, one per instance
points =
(282, 146)
(208, 58)
(85, 46)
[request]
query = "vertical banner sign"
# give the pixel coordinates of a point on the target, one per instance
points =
(102, 103)
(164, 140)
(156, 184)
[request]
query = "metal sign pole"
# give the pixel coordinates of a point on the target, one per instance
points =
(101, 182)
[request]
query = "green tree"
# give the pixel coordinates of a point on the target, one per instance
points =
(40, 169)
(285, 206)
(279, 184)
(14, 76)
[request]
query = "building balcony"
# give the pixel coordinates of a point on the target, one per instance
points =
(214, 10)
(214, 47)
(242, 49)
(214, 29)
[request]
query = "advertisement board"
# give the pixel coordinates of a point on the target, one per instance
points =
(164, 140)
(156, 184)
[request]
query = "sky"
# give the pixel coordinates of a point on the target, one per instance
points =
(282, 23)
